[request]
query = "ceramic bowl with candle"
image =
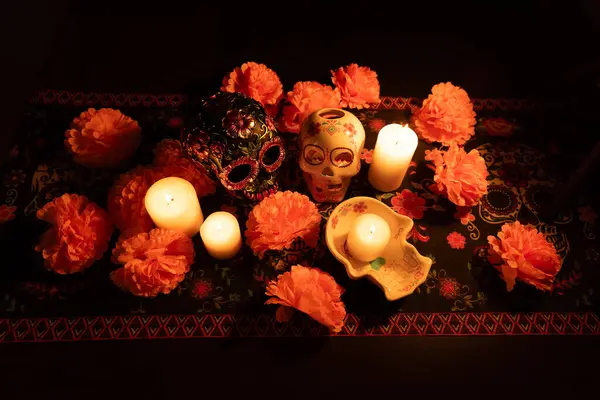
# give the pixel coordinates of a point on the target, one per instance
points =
(399, 268)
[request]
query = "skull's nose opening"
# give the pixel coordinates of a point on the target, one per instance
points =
(331, 113)
(327, 171)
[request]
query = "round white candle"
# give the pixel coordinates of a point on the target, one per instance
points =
(221, 235)
(368, 237)
(393, 152)
(172, 203)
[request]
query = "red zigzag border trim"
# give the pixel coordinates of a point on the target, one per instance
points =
(94, 99)
(229, 325)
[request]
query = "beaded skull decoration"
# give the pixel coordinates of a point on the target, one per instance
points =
(233, 137)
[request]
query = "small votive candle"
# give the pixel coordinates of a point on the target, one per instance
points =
(368, 237)
(221, 235)
(172, 203)
(394, 149)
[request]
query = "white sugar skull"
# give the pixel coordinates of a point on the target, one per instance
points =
(330, 143)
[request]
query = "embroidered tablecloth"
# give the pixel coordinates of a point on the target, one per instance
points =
(463, 293)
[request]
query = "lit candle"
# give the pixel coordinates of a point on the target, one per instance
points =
(172, 203)
(221, 235)
(393, 152)
(368, 236)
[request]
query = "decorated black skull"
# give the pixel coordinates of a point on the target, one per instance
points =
(233, 137)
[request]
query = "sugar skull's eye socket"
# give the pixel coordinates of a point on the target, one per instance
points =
(237, 174)
(342, 157)
(272, 154)
(314, 155)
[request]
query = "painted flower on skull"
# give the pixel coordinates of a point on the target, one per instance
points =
(238, 124)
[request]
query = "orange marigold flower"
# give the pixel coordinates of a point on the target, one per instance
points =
(446, 116)
(153, 263)
(278, 220)
(521, 252)
(311, 291)
(102, 138)
(304, 99)
(359, 87)
(79, 235)
(126, 200)
(460, 175)
(256, 81)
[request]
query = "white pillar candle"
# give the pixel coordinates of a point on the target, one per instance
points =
(172, 203)
(221, 235)
(368, 236)
(393, 152)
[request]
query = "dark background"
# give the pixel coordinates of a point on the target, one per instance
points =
(529, 49)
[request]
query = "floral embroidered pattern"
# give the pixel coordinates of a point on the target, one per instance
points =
(201, 288)
(418, 233)
(466, 217)
(409, 204)
(14, 178)
(449, 288)
(210, 293)
(366, 155)
(456, 240)
(7, 213)
(376, 124)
